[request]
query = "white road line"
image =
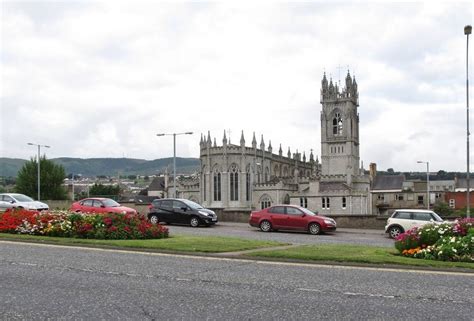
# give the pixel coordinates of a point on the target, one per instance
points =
(210, 258)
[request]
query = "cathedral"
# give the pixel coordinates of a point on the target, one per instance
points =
(237, 177)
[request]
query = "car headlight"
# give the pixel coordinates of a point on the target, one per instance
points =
(124, 212)
(330, 222)
(204, 213)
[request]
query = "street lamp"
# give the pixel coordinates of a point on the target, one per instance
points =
(39, 152)
(467, 32)
(427, 181)
(174, 154)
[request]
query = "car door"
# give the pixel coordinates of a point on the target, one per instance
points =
(99, 207)
(87, 206)
(296, 218)
(165, 212)
(405, 219)
(420, 219)
(277, 216)
(6, 202)
(180, 212)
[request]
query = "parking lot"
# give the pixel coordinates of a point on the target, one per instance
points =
(243, 230)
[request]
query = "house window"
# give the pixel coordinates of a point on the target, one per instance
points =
(380, 197)
(437, 196)
(337, 124)
(421, 200)
(452, 203)
(304, 202)
(325, 203)
(234, 184)
(217, 186)
(344, 202)
(399, 197)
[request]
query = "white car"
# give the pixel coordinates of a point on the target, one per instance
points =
(13, 200)
(403, 220)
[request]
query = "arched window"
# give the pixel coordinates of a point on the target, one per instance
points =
(285, 171)
(265, 201)
(276, 171)
(234, 183)
(337, 124)
(286, 199)
(247, 183)
(217, 185)
(267, 174)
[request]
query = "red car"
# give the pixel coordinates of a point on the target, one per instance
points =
(291, 217)
(100, 205)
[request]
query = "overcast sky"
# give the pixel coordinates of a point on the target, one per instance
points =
(101, 79)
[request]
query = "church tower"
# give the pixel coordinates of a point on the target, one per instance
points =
(339, 128)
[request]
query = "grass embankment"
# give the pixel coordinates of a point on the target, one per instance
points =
(355, 254)
(181, 243)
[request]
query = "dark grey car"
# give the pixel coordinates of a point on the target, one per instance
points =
(180, 211)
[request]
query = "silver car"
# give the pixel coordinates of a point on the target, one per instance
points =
(13, 200)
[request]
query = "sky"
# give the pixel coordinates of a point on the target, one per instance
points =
(100, 79)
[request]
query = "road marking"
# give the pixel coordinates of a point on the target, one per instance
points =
(211, 258)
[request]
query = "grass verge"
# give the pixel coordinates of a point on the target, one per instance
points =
(181, 243)
(355, 254)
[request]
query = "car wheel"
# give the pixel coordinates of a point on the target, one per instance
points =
(265, 226)
(395, 231)
(314, 228)
(194, 222)
(154, 219)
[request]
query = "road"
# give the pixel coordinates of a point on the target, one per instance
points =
(243, 230)
(51, 282)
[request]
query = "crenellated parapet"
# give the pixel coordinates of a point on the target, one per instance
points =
(331, 92)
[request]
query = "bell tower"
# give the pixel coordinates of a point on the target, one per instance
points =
(339, 128)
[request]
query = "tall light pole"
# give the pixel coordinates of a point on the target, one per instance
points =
(174, 155)
(467, 32)
(427, 181)
(39, 171)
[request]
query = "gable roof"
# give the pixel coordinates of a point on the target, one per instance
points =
(388, 182)
(333, 186)
(157, 184)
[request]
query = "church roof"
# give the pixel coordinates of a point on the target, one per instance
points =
(388, 182)
(332, 186)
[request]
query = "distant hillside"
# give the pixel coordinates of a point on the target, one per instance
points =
(109, 166)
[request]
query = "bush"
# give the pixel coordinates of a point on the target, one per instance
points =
(447, 241)
(68, 224)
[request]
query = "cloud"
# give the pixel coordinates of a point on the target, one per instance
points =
(99, 79)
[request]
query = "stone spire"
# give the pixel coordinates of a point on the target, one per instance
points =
(215, 145)
(242, 140)
(270, 149)
(311, 156)
(289, 153)
(254, 141)
(224, 140)
(304, 157)
(280, 151)
(209, 142)
(262, 144)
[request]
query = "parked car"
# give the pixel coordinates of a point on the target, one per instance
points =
(100, 205)
(180, 211)
(404, 219)
(14, 200)
(291, 217)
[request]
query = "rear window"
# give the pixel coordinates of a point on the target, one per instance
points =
(402, 215)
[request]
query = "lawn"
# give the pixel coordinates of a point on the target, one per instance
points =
(354, 254)
(181, 243)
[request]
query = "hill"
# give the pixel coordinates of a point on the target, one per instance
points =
(9, 167)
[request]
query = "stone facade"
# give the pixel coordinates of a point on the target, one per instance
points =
(240, 177)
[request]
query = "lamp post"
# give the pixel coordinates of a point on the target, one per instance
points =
(39, 171)
(174, 154)
(427, 181)
(467, 32)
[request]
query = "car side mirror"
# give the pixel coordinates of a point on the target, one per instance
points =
(103, 206)
(303, 215)
(184, 209)
(13, 202)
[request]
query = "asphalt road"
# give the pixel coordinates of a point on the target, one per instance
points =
(243, 230)
(50, 282)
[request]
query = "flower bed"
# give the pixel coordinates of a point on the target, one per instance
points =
(69, 224)
(446, 241)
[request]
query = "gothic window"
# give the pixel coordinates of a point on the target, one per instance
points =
(265, 201)
(337, 124)
(286, 200)
(325, 203)
(285, 171)
(217, 185)
(344, 202)
(234, 183)
(275, 171)
(247, 183)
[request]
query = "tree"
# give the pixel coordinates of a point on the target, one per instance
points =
(51, 183)
(104, 190)
(390, 171)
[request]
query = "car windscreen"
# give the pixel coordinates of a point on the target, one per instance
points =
(437, 217)
(22, 198)
(110, 203)
(308, 212)
(192, 204)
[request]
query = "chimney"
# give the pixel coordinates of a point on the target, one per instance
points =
(372, 171)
